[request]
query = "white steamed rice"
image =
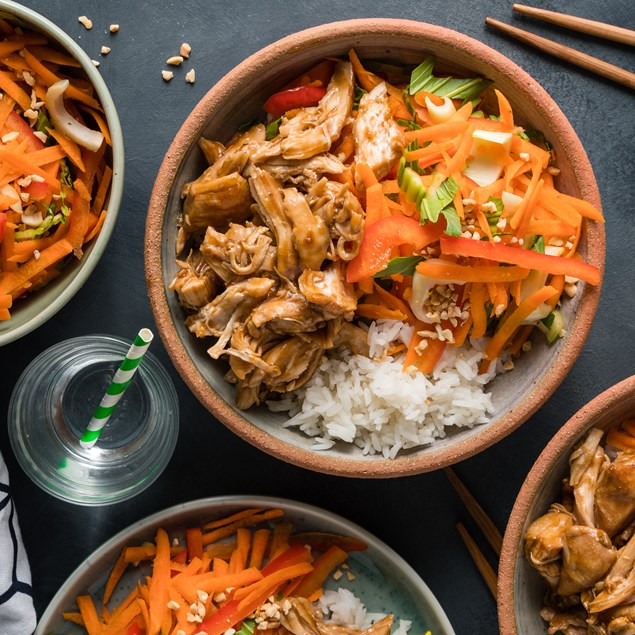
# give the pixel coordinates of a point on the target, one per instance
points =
(379, 408)
(343, 608)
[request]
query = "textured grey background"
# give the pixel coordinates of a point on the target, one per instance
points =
(416, 515)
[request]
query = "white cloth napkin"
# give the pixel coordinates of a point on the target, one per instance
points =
(17, 613)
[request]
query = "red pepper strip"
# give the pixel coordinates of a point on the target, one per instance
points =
(236, 610)
(521, 257)
(15, 123)
(292, 555)
(381, 236)
(299, 97)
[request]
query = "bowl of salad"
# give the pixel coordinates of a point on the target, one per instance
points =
(374, 248)
(567, 558)
(237, 562)
(61, 169)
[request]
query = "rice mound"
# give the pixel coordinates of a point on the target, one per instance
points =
(370, 402)
(345, 609)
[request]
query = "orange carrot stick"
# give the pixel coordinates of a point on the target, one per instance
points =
(509, 326)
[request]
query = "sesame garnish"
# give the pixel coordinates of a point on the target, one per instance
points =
(113, 28)
(508, 365)
(173, 606)
(95, 62)
(30, 114)
(554, 171)
(28, 78)
(524, 156)
(350, 576)
(570, 289)
(489, 207)
(86, 22)
(175, 60)
(190, 76)
(167, 75)
(105, 50)
(36, 178)
(185, 50)
(10, 136)
(337, 575)
(527, 346)
(25, 196)
(36, 254)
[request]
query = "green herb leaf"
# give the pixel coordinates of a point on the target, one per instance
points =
(498, 202)
(523, 135)
(539, 245)
(409, 123)
(404, 265)
(358, 93)
(453, 222)
(247, 628)
(434, 203)
(44, 226)
(273, 129)
(43, 123)
(548, 321)
(538, 138)
(248, 124)
(454, 88)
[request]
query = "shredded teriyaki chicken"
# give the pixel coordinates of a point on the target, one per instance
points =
(265, 235)
(584, 547)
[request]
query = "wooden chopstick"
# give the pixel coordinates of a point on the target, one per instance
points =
(484, 567)
(592, 27)
(568, 54)
(491, 533)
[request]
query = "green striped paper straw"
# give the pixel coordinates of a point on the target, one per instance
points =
(119, 383)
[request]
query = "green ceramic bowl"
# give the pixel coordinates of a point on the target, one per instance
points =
(383, 580)
(32, 311)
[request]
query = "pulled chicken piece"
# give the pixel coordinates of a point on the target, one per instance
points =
(243, 250)
(310, 233)
(544, 540)
(615, 494)
(587, 554)
(585, 464)
(329, 291)
(268, 194)
(565, 622)
(194, 282)
(342, 213)
(305, 172)
(286, 312)
(219, 317)
(216, 201)
(312, 130)
(284, 366)
(379, 141)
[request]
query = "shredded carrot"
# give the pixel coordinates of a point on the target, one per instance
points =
(509, 326)
(70, 147)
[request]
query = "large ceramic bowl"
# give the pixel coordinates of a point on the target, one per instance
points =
(36, 308)
(521, 590)
(238, 98)
(383, 580)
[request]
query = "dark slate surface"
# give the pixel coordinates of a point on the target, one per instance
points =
(416, 515)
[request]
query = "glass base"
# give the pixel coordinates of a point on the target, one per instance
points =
(52, 403)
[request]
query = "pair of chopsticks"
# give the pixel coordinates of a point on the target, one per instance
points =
(487, 527)
(600, 29)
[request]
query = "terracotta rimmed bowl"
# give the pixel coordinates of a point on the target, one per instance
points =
(521, 590)
(35, 309)
(237, 98)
